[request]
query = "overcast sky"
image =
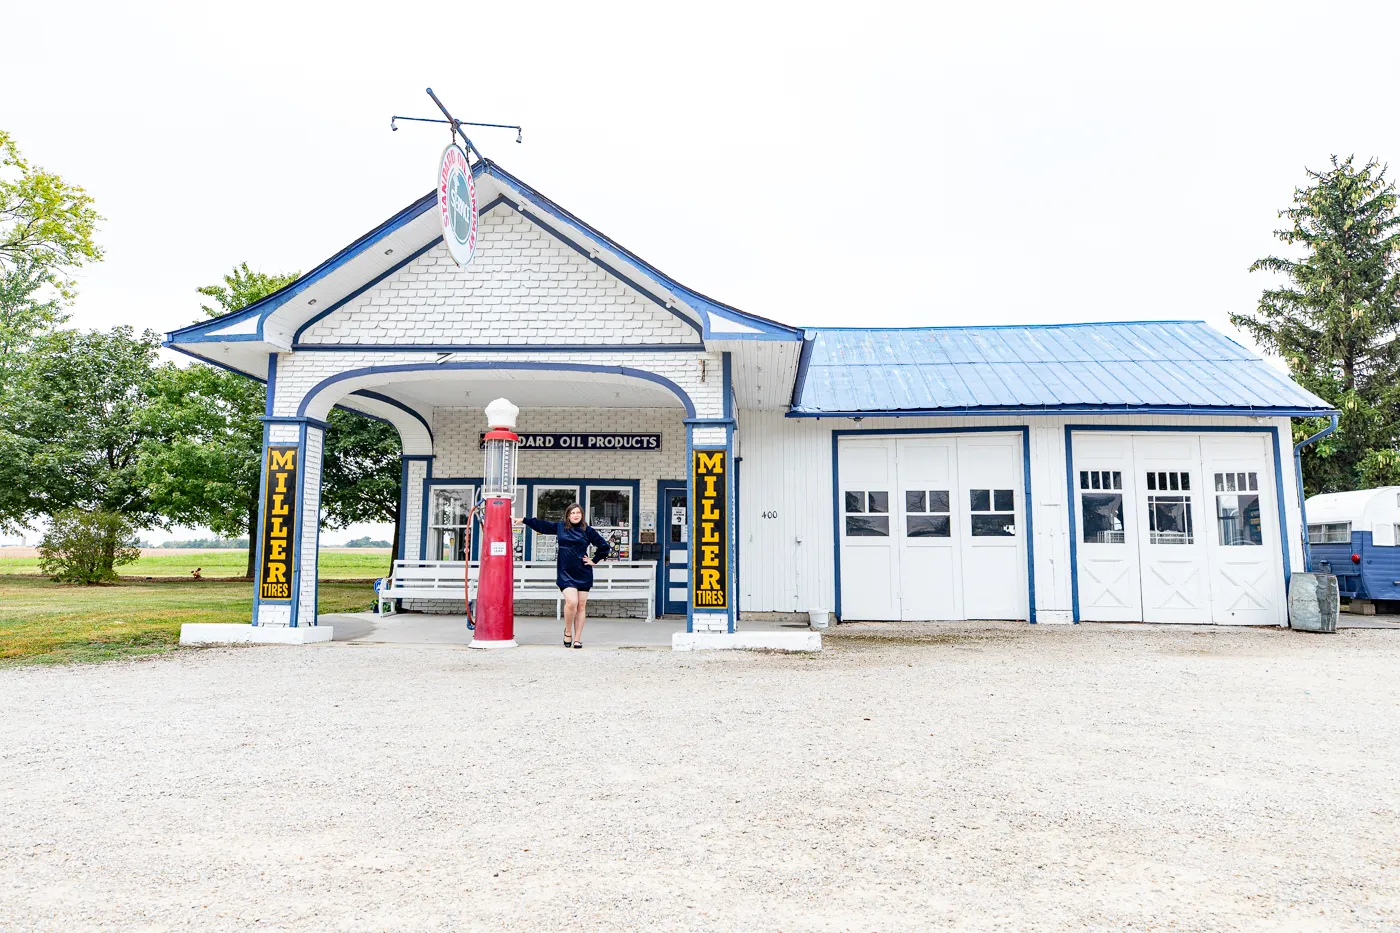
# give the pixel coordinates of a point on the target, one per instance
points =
(858, 163)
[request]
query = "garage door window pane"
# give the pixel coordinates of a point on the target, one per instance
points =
(1239, 520)
(981, 500)
(855, 502)
(991, 513)
(1102, 515)
(1004, 500)
(938, 500)
(993, 525)
(914, 500)
(1169, 519)
(867, 526)
(879, 502)
(929, 526)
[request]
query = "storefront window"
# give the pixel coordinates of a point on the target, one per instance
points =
(447, 529)
(610, 514)
(550, 503)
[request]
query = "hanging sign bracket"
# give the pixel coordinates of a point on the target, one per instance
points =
(456, 125)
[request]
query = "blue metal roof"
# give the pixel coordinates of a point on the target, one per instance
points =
(1140, 367)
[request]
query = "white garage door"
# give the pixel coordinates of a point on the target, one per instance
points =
(1177, 527)
(932, 527)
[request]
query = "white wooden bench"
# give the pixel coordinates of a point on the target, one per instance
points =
(534, 579)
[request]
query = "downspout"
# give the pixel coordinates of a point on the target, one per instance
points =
(1298, 474)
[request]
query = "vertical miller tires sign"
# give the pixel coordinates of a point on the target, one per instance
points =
(279, 530)
(710, 575)
(457, 204)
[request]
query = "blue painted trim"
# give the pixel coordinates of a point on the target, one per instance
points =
(709, 422)
(297, 569)
(265, 306)
(738, 542)
(804, 360)
(731, 488)
(316, 577)
(497, 365)
(1027, 494)
(663, 489)
(322, 315)
(271, 394)
(689, 518)
(725, 372)
(1273, 433)
(395, 403)
(297, 419)
(1302, 497)
(498, 347)
(1066, 410)
(401, 542)
(256, 544)
(429, 482)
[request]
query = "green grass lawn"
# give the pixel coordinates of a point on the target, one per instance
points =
(352, 563)
(42, 622)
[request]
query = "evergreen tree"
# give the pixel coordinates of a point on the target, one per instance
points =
(1335, 320)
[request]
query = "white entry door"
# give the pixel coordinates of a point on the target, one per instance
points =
(1106, 519)
(932, 527)
(869, 559)
(994, 557)
(1243, 537)
(1171, 537)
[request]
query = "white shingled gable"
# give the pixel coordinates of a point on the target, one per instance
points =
(524, 286)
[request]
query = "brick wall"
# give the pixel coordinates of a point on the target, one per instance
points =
(523, 286)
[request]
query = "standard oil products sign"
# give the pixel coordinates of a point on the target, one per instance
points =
(710, 576)
(639, 442)
(279, 524)
(457, 204)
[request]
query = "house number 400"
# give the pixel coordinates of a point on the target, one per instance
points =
(770, 514)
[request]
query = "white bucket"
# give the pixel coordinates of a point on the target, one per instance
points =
(818, 618)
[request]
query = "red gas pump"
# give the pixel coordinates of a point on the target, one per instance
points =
(495, 588)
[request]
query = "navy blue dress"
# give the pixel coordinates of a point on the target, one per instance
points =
(573, 547)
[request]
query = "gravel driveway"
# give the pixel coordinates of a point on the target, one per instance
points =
(962, 777)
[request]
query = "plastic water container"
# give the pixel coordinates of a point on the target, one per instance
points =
(819, 619)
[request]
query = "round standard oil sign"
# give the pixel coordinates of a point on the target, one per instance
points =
(457, 204)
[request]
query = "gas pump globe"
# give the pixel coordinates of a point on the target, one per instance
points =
(495, 589)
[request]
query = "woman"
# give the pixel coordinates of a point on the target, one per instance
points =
(574, 575)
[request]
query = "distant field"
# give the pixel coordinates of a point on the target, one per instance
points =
(45, 622)
(335, 563)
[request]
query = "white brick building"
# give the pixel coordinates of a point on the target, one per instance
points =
(1131, 471)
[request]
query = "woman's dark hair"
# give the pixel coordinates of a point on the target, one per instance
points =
(569, 511)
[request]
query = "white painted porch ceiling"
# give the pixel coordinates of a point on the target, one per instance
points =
(451, 390)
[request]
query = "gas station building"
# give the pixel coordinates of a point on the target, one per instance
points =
(1119, 472)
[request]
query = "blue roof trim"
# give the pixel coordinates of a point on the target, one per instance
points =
(393, 403)
(1139, 367)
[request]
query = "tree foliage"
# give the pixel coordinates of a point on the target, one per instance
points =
(87, 547)
(45, 223)
(71, 426)
(1335, 317)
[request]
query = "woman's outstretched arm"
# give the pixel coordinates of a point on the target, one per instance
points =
(540, 526)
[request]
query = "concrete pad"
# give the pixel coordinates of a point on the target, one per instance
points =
(761, 641)
(237, 633)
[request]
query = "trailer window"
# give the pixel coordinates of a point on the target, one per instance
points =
(1330, 533)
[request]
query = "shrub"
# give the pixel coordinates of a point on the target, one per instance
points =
(87, 547)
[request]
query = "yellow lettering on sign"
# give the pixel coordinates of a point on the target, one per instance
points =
(282, 481)
(276, 573)
(710, 490)
(709, 509)
(279, 505)
(708, 535)
(277, 530)
(709, 555)
(281, 459)
(709, 579)
(278, 551)
(709, 463)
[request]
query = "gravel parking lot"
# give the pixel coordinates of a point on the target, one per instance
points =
(961, 777)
